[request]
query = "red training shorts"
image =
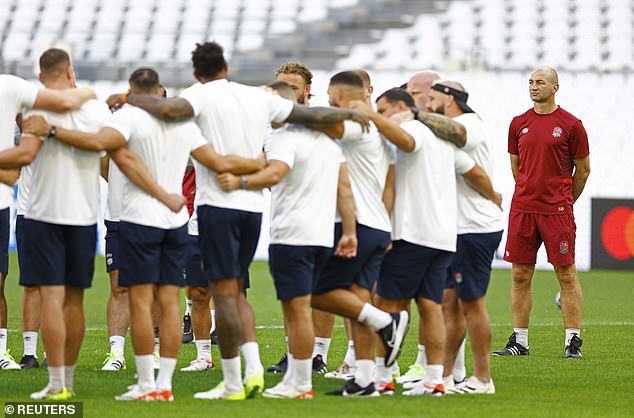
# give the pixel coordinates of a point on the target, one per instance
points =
(527, 231)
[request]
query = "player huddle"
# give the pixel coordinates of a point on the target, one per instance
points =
(369, 209)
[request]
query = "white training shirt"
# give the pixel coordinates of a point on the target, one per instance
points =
(164, 148)
(369, 159)
(476, 214)
(15, 93)
(115, 192)
(24, 186)
(234, 118)
(304, 203)
(65, 180)
(425, 211)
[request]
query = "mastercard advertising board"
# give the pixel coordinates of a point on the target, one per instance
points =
(613, 234)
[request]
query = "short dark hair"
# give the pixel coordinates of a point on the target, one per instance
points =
(398, 94)
(284, 89)
(365, 76)
(144, 79)
(347, 78)
(53, 60)
(208, 59)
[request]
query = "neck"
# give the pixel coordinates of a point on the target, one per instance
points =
(56, 84)
(453, 113)
(220, 76)
(545, 108)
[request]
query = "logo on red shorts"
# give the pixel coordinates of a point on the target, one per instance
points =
(563, 247)
(556, 132)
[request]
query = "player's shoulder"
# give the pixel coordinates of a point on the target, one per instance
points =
(522, 117)
(95, 106)
(567, 116)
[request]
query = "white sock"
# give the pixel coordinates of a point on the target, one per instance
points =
(350, 357)
(374, 317)
(321, 347)
(289, 369)
(421, 357)
(521, 336)
(383, 374)
(252, 362)
(145, 372)
(3, 341)
(203, 350)
(302, 374)
(56, 378)
(569, 333)
(157, 345)
(188, 306)
(30, 343)
(213, 320)
(232, 374)
(69, 376)
(363, 375)
(117, 344)
(459, 371)
(433, 376)
(166, 371)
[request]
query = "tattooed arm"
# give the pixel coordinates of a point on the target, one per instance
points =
(444, 128)
(324, 116)
(173, 109)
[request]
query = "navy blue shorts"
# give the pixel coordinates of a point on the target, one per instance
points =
(194, 275)
(112, 246)
(341, 273)
(295, 269)
(411, 270)
(151, 255)
(57, 255)
(19, 240)
(4, 240)
(227, 239)
(470, 269)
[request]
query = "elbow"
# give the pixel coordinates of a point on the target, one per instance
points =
(66, 105)
(26, 158)
(275, 178)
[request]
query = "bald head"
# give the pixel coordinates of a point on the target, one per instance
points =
(419, 85)
(549, 73)
(543, 84)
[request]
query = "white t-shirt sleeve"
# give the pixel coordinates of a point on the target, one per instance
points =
(121, 121)
(279, 107)
(463, 163)
(100, 114)
(197, 139)
(351, 131)
(23, 91)
(281, 149)
(195, 96)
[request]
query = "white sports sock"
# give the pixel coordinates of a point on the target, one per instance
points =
(188, 306)
(459, 371)
(374, 317)
(289, 369)
(521, 336)
(302, 374)
(3, 340)
(203, 349)
(421, 357)
(69, 376)
(232, 374)
(363, 375)
(213, 320)
(157, 345)
(56, 378)
(252, 362)
(321, 347)
(145, 371)
(166, 371)
(350, 357)
(383, 374)
(433, 376)
(117, 344)
(30, 343)
(569, 333)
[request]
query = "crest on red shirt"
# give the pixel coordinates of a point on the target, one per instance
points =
(563, 247)
(556, 132)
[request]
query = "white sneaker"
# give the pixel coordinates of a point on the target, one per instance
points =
(219, 392)
(199, 365)
(415, 373)
(449, 383)
(344, 372)
(285, 391)
(421, 389)
(473, 385)
(113, 363)
(52, 395)
(7, 362)
(135, 393)
(395, 370)
(157, 360)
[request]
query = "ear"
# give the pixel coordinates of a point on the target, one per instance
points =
(41, 78)
(555, 87)
(196, 76)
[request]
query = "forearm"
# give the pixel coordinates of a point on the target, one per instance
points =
(262, 179)
(393, 132)
(134, 169)
(173, 109)
(78, 96)
(78, 139)
(478, 180)
(578, 184)
(444, 128)
(9, 177)
(345, 205)
(318, 116)
(238, 165)
(388, 192)
(14, 158)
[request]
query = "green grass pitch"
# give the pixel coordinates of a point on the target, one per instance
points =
(543, 384)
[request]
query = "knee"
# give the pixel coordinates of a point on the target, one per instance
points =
(522, 276)
(200, 295)
(118, 292)
(567, 275)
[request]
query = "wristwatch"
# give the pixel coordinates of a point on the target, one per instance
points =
(243, 182)
(52, 132)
